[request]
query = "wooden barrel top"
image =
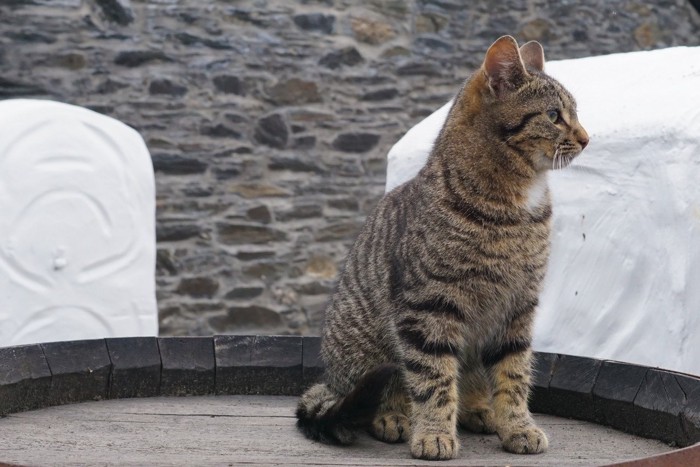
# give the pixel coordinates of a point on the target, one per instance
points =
(240, 393)
(260, 430)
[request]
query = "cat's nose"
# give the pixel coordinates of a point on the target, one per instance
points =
(582, 138)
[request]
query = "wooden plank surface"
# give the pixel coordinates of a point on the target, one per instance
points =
(259, 430)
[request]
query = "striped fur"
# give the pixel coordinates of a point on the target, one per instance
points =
(444, 278)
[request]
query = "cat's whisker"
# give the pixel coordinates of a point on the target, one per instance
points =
(556, 163)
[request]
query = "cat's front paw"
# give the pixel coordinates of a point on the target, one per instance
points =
(529, 440)
(483, 421)
(434, 446)
(391, 427)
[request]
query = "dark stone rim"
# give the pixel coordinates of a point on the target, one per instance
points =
(643, 401)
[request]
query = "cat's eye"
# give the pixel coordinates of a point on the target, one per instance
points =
(553, 116)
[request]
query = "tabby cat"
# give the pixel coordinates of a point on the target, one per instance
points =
(430, 325)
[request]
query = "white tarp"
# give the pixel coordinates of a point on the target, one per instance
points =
(624, 276)
(77, 235)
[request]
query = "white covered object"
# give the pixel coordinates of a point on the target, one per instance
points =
(624, 275)
(77, 234)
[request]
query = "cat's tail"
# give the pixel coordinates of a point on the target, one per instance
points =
(324, 415)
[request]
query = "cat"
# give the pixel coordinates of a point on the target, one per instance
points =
(430, 324)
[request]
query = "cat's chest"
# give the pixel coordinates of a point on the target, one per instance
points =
(537, 194)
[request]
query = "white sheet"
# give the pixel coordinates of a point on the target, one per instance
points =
(77, 234)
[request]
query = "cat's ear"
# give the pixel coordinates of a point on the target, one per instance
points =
(533, 55)
(504, 67)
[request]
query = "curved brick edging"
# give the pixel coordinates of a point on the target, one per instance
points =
(643, 401)
(41, 375)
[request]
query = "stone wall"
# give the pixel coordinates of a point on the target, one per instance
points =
(268, 121)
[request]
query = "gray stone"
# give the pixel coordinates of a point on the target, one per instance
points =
(259, 214)
(109, 86)
(321, 267)
(70, 61)
(176, 232)
(228, 84)
(198, 191)
(355, 142)
(116, 11)
(224, 174)
(347, 204)
(433, 43)
(431, 22)
(198, 287)
(268, 272)
(538, 29)
(247, 16)
(30, 37)
(381, 94)
(349, 56)
(236, 118)
(136, 58)
(272, 131)
(241, 234)
(294, 91)
(189, 39)
(294, 164)
(372, 31)
(174, 164)
(254, 255)
(300, 211)
(165, 86)
(220, 131)
(418, 69)
(315, 288)
(304, 142)
(337, 231)
(315, 22)
(244, 293)
(258, 190)
(164, 263)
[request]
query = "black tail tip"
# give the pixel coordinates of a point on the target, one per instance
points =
(337, 425)
(322, 431)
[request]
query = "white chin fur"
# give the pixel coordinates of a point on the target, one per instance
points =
(537, 193)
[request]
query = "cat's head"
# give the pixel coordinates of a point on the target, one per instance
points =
(526, 109)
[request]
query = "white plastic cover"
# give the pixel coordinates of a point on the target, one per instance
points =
(77, 234)
(624, 276)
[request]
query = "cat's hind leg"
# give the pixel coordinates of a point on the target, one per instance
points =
(317, 403)
(326, 415)
(392, 423)
(475, 398)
